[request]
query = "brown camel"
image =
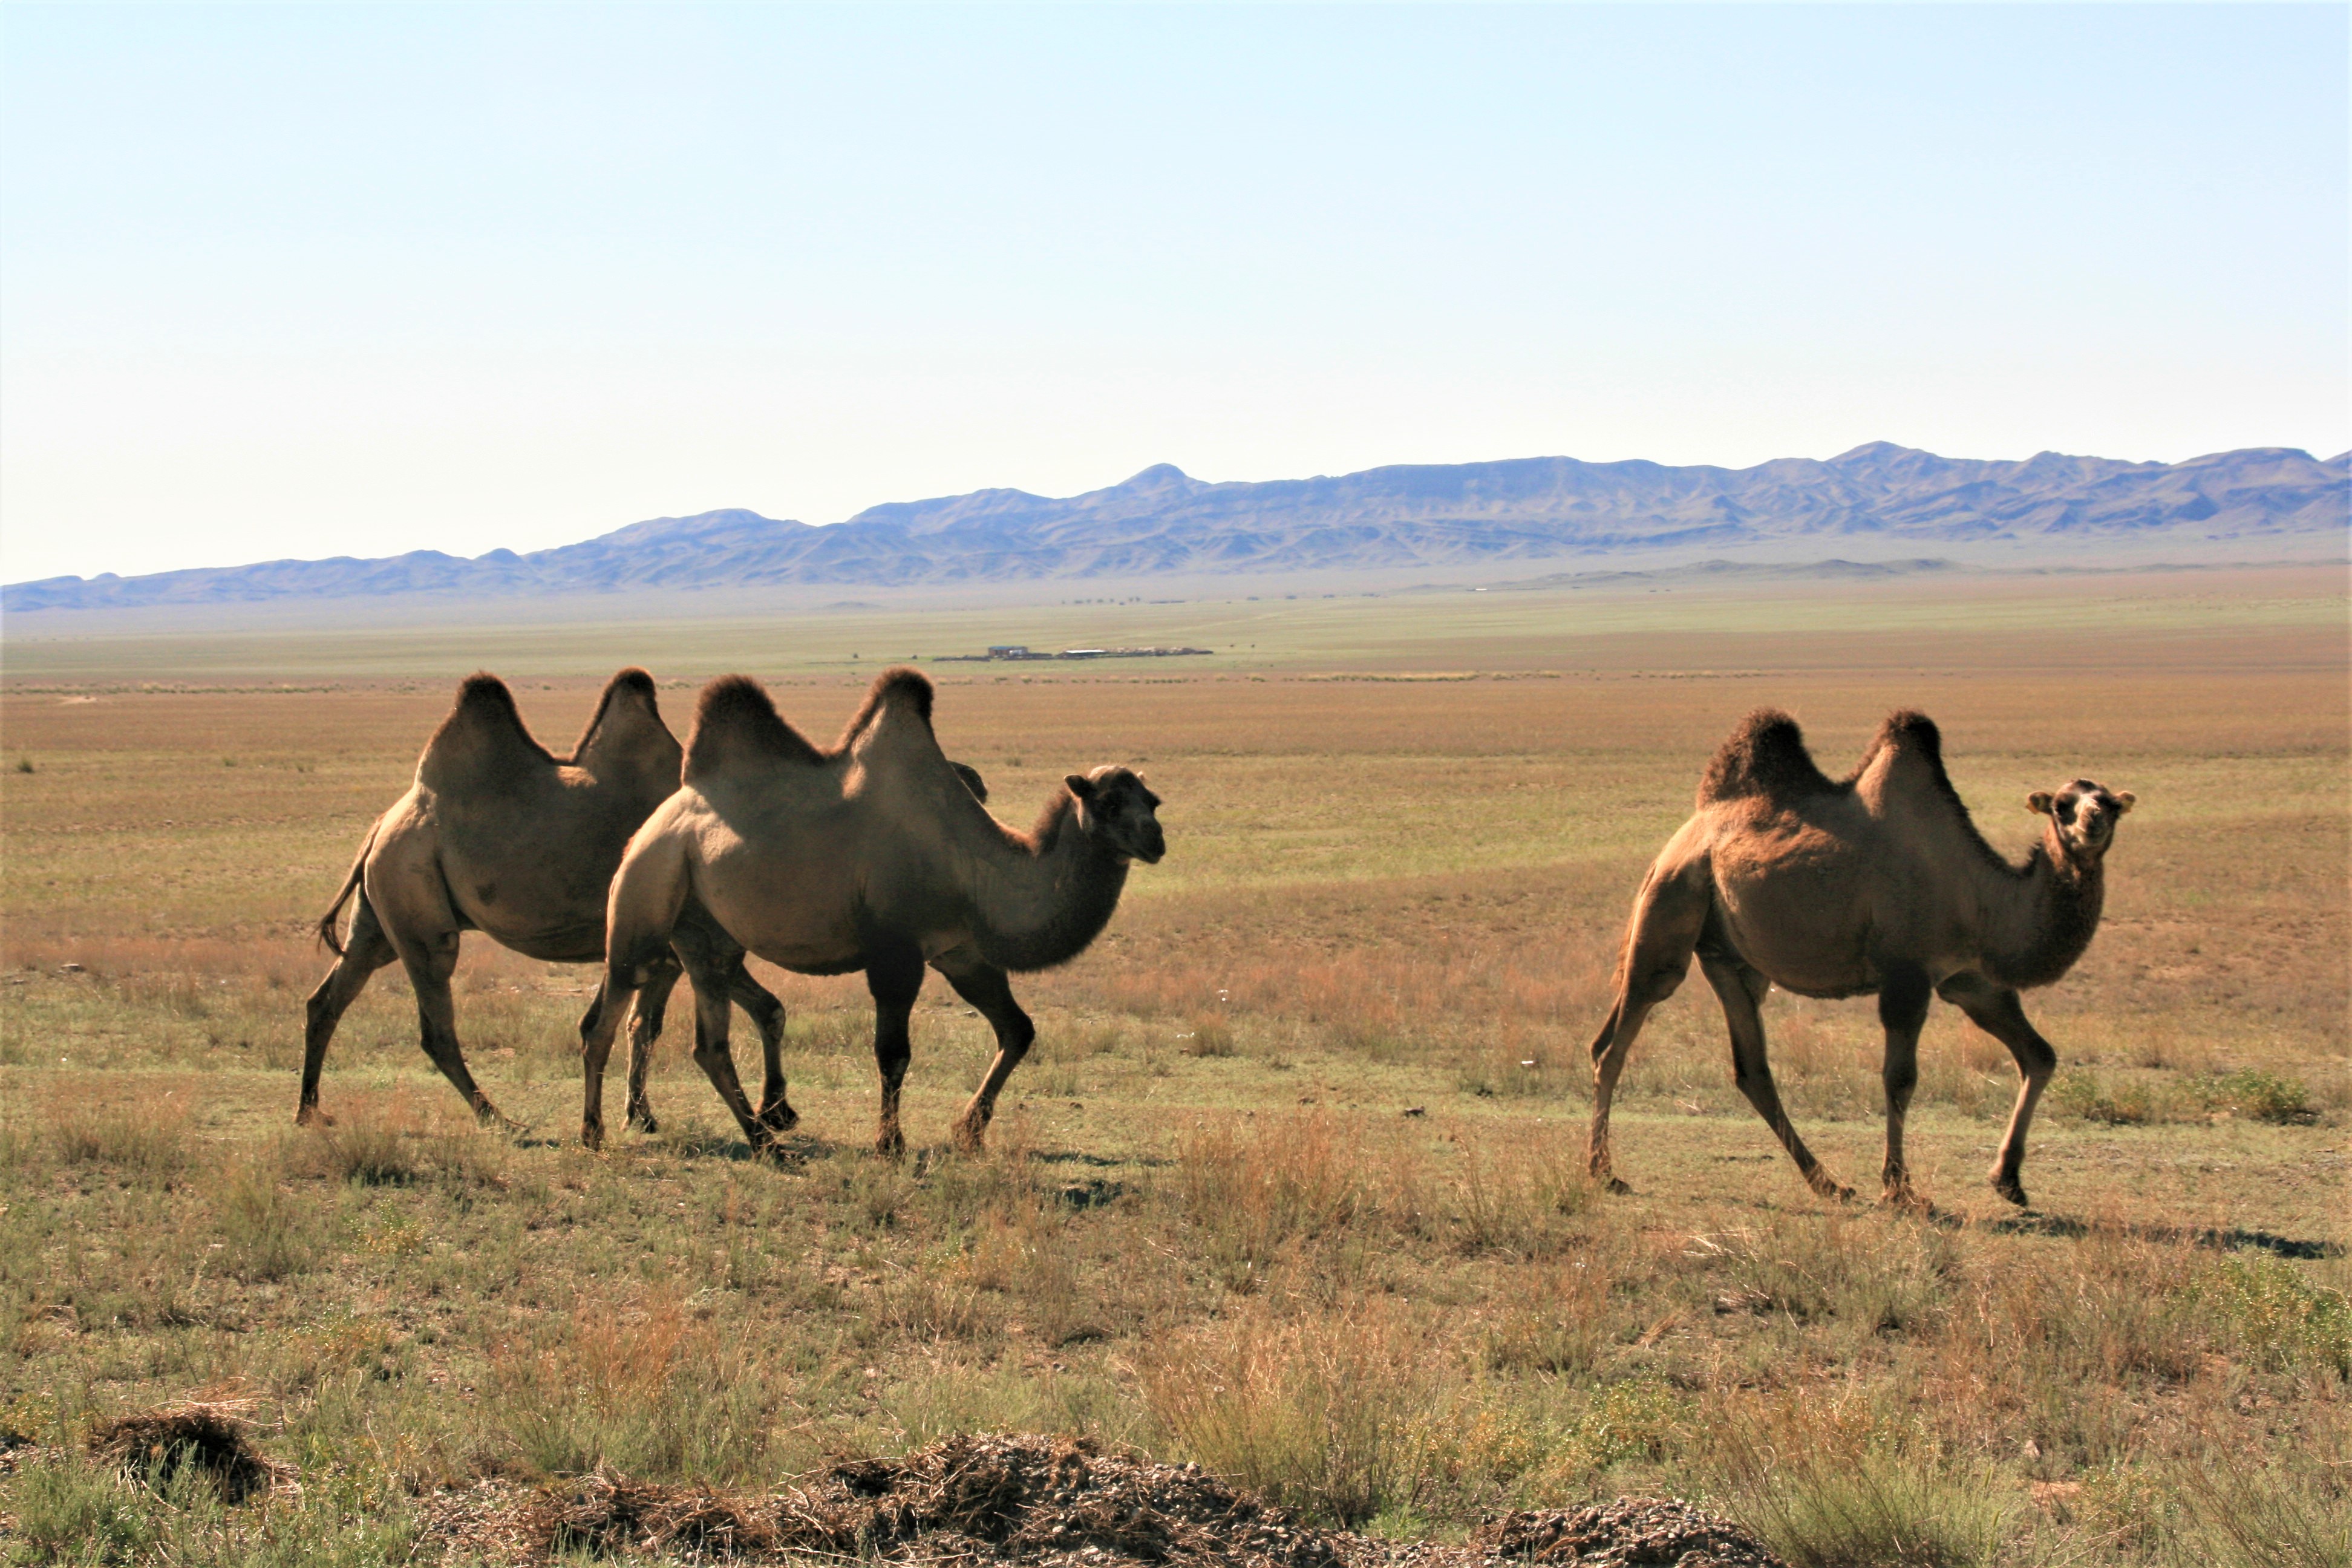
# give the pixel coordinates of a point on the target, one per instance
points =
(869, 856)
(500, 836)
(1878, 883)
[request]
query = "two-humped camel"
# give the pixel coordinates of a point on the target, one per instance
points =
(1878, 883)
(499, 834)
(869, 856)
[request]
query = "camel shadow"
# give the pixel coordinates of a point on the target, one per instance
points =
(2236, 1239)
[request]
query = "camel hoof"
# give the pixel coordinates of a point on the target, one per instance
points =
(642, 1119)
(1617, 1187)
(591, 1135)
(891, 1145)
(311, 1116)
(1836, 1191)
(779, 1118)
(2014, 1190)
(1903, 1200)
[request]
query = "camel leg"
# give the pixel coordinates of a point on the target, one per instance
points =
(1903, 997)
(708, 966)
(1741, 989)
(1996, 1010)
(776, 1113)
(365, 951)
(645, 1030)
(895, 978)
(430, 963)
(985, 988)
(602, 1022)
(1667, 920)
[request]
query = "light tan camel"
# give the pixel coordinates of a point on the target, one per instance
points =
(869, 856)
(1878, 883)
(500, 836)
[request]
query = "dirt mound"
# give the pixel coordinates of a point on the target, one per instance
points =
(1626, 1532)
(208, 1436)
(1053, 1503)
(1025, 1499)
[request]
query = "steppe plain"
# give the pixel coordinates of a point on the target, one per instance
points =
(1290, 1185)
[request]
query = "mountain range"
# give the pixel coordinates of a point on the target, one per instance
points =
(1164, 522)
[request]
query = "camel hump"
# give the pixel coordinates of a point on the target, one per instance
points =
(628, 715)
(736, 721)
(900, 689)
(1765, 756)
(1908, 743)
(483, 745)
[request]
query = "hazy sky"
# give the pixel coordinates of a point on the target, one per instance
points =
(287, 282)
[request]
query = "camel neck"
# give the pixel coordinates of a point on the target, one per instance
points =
(2051, 920)
(1049, 895)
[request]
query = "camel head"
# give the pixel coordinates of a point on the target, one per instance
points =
(1115, 809)
(2082, 816)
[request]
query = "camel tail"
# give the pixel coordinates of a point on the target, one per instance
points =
(359, 872)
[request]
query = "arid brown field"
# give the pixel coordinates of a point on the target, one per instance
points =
(1290, 1184)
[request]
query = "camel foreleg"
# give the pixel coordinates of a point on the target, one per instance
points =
(895, 978)
(1903, 997)
(1996, 1010)
(986, 987)
(776, 1113)
(365, 950)
(710, 966)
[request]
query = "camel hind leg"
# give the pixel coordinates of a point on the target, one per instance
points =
(648, 892)
(1668, 917)
(430, 963)
(365, 950)
(1741, 989)
(644, 1032)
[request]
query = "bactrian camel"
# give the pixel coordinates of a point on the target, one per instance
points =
(867, 855)
(1878, 883)
(500, 836)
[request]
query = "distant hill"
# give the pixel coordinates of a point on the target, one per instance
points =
(1164, 522)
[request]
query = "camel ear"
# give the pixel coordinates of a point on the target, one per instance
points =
(2038, 803)
(2124, 801)
(1081, 786)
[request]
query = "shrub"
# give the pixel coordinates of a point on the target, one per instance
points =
(2268, 1310)
(2126, 1102)
(2267, 1097)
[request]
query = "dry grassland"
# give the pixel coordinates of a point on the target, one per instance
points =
(1289, 1186)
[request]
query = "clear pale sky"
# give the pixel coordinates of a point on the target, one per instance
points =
(313, 281)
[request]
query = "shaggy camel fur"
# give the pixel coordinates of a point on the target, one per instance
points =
(1878, 883)
(869, 856)
(500, 836)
